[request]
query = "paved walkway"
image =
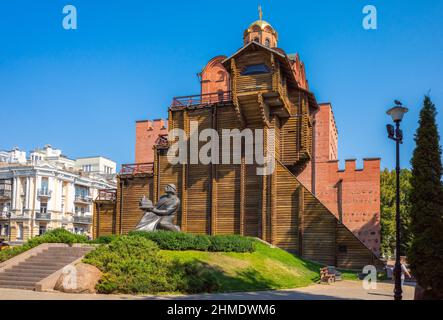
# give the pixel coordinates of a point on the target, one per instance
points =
(338, 291)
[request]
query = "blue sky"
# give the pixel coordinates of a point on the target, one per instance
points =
(82, 90)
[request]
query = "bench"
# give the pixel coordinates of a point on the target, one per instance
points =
(326, 276)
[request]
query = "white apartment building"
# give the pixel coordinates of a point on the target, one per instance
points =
(99, 165)
(48, 191)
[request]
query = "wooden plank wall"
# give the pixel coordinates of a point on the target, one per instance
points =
(167, 174)
(286, 216)
(199, 182)
(306, 226)
(133, 189)
(104, 218)
(319, 227)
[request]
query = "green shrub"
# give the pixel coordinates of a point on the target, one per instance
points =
(132, 264)
(58, 236)
(11, 252)
(168, 240)
(105, 239)
(174, 240)
(232, 243)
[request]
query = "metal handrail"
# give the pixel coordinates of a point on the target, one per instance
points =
(107, 195)
(137, 168)
(202, 99)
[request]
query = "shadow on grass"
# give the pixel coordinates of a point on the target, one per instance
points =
(243, 280)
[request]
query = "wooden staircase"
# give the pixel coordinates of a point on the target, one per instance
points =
(27, 273)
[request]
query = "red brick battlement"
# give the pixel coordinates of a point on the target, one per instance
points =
(146, 133)
(352, 194)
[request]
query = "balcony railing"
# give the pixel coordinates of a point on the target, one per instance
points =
(83, 199)
(137, 168)
(4, 215)
(82, 219)
(5, 194)
(202, 99)
(20, 216)
(42, 216)
(44, 192)
(106, 195)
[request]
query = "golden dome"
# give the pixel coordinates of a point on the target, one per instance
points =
(261, 24)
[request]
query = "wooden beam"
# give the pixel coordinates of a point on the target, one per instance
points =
(214, 179)
(301, 211)
(242, 195)
(184, 216)
(237, 109)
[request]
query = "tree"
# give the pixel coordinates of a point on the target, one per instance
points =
(426, 253)
(387, 213)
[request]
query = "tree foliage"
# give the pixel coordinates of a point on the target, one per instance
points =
(387, 215)
(426, 253)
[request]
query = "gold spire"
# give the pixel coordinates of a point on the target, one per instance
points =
(260, 13)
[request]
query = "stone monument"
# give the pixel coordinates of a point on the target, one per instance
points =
(160, 216)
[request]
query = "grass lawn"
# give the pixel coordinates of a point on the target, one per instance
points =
(266, 268)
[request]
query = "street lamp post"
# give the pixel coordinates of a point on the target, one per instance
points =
(397, 113)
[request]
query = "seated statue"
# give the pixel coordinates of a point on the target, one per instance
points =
(160, 216)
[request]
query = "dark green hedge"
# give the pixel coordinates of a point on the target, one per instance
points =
(167, 240)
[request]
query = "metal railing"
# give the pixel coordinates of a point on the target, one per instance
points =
(4, 215)
(137, 168)
(107, 195)
(82, 219)
(5, 193)
(83, 198)
(202, 99)
(42, 216)
(24, 216)
(44, 192)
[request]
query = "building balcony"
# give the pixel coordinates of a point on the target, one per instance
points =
(20, 216)
(82, 219)
(83, 199)
(44, 193)
(4, 215)
(5, 194)
(43, 216)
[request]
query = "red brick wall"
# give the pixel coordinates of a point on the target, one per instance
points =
(353, 195)
(146, 133)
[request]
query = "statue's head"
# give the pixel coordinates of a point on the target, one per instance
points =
(171, 188)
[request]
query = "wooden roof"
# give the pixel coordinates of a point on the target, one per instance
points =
(284, 61)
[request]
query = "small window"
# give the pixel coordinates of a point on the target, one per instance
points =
(255, 69)
(267, 42)
(256, 39)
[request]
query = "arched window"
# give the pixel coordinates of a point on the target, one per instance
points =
(267, 42)
(256, 39)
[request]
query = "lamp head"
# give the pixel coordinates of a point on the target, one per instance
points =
(397, 112)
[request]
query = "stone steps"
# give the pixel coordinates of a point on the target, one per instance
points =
(27, 273)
